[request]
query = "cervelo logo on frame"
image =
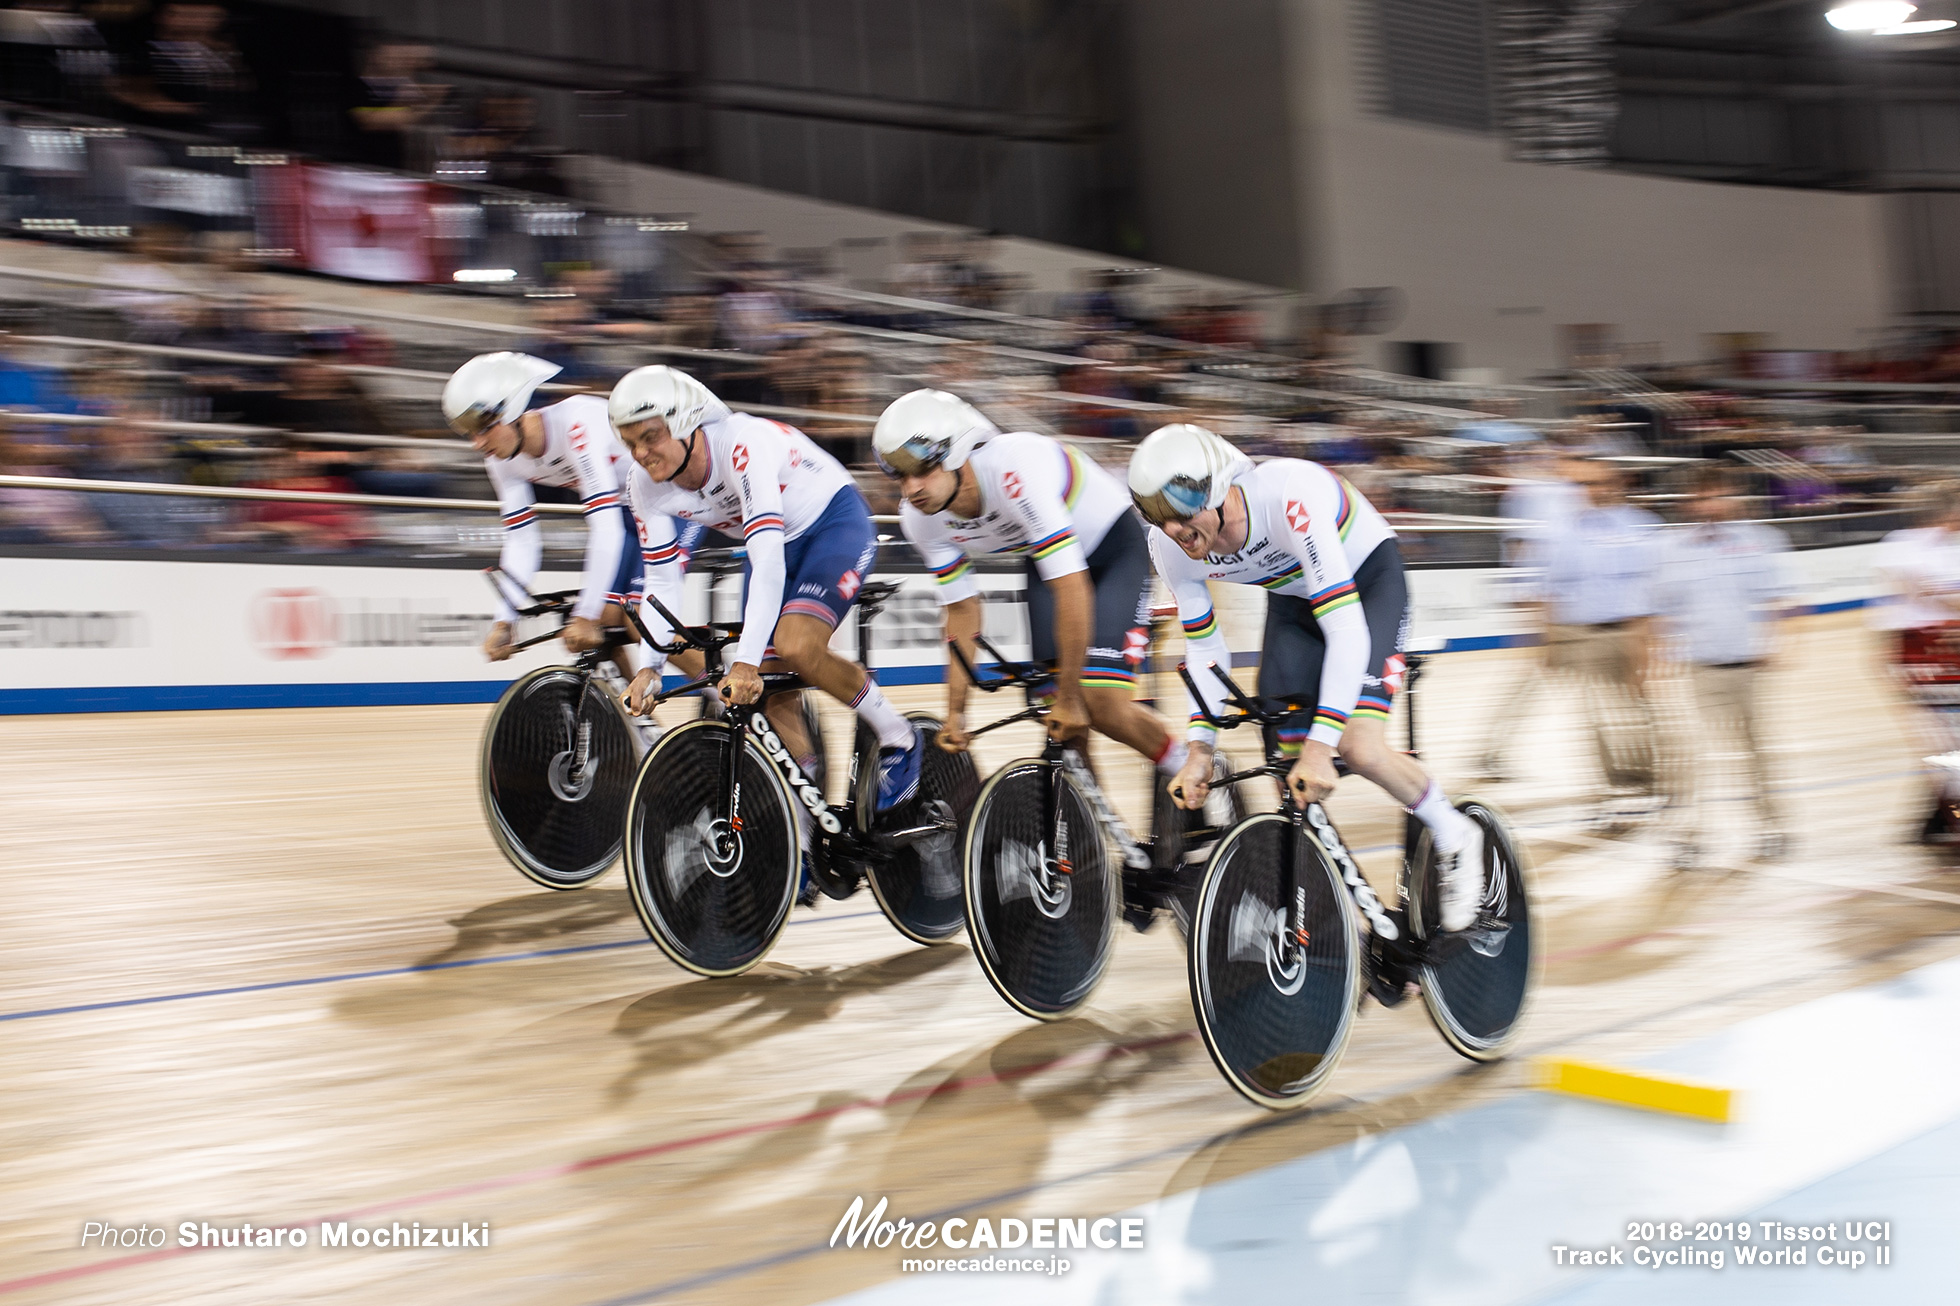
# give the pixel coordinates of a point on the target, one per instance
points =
(294, 623)
(872, 1229)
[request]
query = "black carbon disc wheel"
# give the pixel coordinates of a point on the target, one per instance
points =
(713, 896)
(1041, 895)
(1275, 1012)
(555, 776)
(1476, 982)
(918, 886)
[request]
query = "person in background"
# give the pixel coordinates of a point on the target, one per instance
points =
(1542, 501)
(1920, 568)
(1722, 584)
(1600, 567)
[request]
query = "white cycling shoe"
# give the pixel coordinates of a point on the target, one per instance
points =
(1461, 877)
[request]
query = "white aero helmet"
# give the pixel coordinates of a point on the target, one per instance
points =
(1181, 470)
(928, 429)
(675, 397)
(492, 388)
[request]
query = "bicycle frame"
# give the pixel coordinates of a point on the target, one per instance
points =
(712, 640)
(1381, 922)
(1057, 753)
(585, 664)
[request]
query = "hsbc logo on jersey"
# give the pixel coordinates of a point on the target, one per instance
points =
(1393, 673)
(1012, 484)
(1136, 645)
(740, 458)
(848, 583)
(1296, 516)
(578, 437)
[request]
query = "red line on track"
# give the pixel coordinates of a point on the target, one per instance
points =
(563, 1168)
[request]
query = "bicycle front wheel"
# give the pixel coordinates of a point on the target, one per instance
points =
(1041, 891)
(1275, 1009)
(1476, 982)
(714, 893)
(557, 765)
(918, 886)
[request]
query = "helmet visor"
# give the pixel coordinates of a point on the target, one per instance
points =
(1180, 498)
(917, 456)
(474, 420)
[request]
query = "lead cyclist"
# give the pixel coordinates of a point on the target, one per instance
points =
(1336, 610)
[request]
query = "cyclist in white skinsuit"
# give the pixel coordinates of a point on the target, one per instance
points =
(810, 542)
(970, 489)
(567, 444)
(1336, 607)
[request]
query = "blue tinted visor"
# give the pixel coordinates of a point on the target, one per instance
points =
(1179, 499)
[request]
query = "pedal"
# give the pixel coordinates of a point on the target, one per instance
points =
(1142, 896)
(836, 875)
(1391, 969)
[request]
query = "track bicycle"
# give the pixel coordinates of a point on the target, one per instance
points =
(559, 753)
(1048, 865)
(1279, 959)
(714, 827)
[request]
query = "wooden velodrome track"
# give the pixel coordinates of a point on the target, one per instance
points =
(269, 967)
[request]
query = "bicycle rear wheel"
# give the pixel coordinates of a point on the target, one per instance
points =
(1275, 1012)
(918, 886)
(1476, 982)
(714, 898)
(557, 820)
(1040, 888)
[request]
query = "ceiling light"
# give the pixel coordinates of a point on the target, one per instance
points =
(1869, 15)
(1919, 28)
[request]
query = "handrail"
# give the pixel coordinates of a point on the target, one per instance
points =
(414, 374)
(81, 485)
(376, 314)
(1432, 523)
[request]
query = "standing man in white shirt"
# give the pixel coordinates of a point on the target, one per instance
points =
(1600, 568)
(1722, 586)
(1543, 500)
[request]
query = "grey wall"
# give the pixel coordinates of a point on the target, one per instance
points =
(1216, 152)
(1496, 255)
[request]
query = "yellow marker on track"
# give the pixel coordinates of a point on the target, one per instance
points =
(1633, 1088)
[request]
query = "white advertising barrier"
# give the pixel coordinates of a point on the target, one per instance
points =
(93, 636)
(97, 636)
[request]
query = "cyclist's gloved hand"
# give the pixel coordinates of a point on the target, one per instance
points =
(742, 684)
(639, 694)
(1313, 777)
(496, 645)
(952, 736)
(582, 633)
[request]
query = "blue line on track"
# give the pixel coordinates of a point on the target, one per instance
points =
(634, 943)
(372, 974)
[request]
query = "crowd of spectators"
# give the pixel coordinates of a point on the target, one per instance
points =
(1104, 365)
(253, 76)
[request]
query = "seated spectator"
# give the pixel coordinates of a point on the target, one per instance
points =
(130, 452)
(43, 516)
(153, 296)
(308, 527)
